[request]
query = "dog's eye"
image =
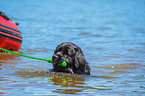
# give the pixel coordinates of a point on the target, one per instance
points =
(65, 52)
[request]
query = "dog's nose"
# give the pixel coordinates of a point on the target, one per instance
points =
(55, 57)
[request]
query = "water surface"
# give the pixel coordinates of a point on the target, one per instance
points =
(111, 34)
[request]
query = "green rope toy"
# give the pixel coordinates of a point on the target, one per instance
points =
(48, 60)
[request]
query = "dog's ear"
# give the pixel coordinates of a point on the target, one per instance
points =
(80, 62)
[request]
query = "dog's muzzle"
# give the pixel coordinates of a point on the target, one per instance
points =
(57, 59)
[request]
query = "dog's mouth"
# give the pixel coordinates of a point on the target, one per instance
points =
(63, 69)
(57, 64)
(60, 68)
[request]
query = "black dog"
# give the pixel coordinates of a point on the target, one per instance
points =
(73, 55)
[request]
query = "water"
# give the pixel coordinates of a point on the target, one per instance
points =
(111, 34)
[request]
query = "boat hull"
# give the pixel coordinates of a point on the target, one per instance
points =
(10, 35)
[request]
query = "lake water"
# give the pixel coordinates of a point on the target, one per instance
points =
(111, 34)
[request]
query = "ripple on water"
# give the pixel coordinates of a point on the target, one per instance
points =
(84, 33)
(118, 68)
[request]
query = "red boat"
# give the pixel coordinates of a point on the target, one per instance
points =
(10, 35)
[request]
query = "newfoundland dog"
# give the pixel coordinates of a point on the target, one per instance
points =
(73, 55)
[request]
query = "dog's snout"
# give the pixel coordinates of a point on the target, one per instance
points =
(55, 57)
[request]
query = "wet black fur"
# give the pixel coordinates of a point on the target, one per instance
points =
(73, 55)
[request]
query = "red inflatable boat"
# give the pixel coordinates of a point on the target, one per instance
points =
(10, 35)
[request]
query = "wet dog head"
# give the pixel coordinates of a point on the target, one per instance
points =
(73, 55)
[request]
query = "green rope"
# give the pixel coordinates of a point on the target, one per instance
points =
(48, 60)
